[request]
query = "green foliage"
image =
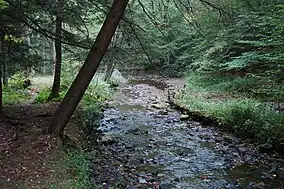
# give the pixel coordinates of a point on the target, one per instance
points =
(251, 43)
(245, 116)
(97, 92)
(224, 38)
(250, 86)
(15, 96)
(74, 165)
(3, 4)
(76, 161)
(43, 96)
(241, 62)
(70, 69)
(15, 92)
(251, 118)
(17, 80)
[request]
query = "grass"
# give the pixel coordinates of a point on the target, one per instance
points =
(77, 162)
(261, 88)
(72, 170)
(233, 108)
(98, 90)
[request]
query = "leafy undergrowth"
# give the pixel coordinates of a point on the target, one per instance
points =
(16, 93)
(246, 116)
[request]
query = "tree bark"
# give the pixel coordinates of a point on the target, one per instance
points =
(109, 70)
(88, 70)
(2, 33)
(58, 53)
(1, 95)
(5, 74)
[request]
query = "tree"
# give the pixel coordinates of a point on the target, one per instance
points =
(1, 63)
(89, 68)
(58, 53)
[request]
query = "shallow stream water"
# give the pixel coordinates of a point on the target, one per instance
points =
(148, 144)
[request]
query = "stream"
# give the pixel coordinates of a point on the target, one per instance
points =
(148, 144)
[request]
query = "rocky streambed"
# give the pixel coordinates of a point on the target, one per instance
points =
(148, 144)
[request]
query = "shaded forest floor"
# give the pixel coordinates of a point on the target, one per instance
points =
(30, 158)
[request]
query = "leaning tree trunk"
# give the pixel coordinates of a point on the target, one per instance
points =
(58, 54)
(88, 70)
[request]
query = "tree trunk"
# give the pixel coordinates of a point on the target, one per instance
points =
(58, 54)
(1, 95)
(1, 63)
(88, 70)
(109, 70)
(5, 75)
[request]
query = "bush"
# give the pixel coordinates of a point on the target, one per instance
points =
(43, 95)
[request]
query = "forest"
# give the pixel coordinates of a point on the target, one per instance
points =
(132, 94)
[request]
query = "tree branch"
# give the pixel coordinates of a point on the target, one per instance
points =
(36, 27)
